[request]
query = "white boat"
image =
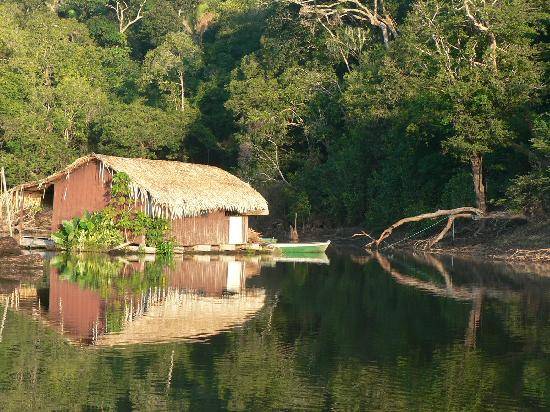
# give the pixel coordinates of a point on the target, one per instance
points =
(299, 248)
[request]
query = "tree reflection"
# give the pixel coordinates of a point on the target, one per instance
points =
(347, 336)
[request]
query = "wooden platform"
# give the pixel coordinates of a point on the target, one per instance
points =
(249, 248)
(36, 243)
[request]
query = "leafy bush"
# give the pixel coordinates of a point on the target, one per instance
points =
(166, 247)
(299, 205)
(530, 193)
(91, 232)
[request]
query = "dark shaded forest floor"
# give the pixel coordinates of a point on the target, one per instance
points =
(515, 241)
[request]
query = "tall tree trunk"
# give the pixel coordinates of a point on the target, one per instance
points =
(182, 93)
(479, 185)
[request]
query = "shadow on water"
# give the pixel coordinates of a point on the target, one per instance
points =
(396, 332)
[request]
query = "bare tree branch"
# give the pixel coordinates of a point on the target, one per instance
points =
(336, 12)
(120, 8)
(483, 27)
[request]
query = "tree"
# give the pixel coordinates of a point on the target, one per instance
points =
(138, 130)
(476, 66)
(171, 63)
(530, 193)
(56, 90)
(197, 22)
(280, 116)
(365, 110)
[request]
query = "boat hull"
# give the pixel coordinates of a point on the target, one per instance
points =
(301, 248)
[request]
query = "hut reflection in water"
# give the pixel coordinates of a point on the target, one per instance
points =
(102, 301)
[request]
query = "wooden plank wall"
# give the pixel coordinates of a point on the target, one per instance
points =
(83, 191)
(210, 229)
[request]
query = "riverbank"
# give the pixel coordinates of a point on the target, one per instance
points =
(513, 241)
(519, 241)
(15, 265)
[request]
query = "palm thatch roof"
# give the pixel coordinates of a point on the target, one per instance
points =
(174, 189)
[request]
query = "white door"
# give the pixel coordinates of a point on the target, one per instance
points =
(236, 230)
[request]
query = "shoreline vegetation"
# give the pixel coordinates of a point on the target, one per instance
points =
(509, 241)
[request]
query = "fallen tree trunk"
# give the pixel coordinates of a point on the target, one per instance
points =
(461, 212)
(447, 227)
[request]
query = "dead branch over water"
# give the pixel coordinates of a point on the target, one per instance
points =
(461, 212)
(492, 252)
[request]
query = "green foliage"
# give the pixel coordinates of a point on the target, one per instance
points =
(541, 135)
(120, 188)
(171, 65)
(91, 232)
(139, 130)
(105, 32)
(283, 118)
(458, 191)
(530, 193)
(300, 206)
(164, 247)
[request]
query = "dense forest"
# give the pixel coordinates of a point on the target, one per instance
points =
(343, 111)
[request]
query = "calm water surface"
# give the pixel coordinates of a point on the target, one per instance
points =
(359, 333)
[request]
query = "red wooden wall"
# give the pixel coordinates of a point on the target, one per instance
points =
(210, 229)
(82, 191)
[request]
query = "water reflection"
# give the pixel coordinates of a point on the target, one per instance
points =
(481, 282)
(98, 300)
(401, 332)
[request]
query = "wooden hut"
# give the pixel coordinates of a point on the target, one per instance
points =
(205, 204)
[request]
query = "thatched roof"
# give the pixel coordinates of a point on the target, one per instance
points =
(175, 189)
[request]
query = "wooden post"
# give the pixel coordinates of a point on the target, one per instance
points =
(6, 199)
(2, 200)
(6, 304)
(21, 215)
(294, 230)
(453, 231)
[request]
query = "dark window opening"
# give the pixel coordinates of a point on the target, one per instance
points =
(47, 198)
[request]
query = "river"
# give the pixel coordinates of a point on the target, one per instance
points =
(394, 332)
